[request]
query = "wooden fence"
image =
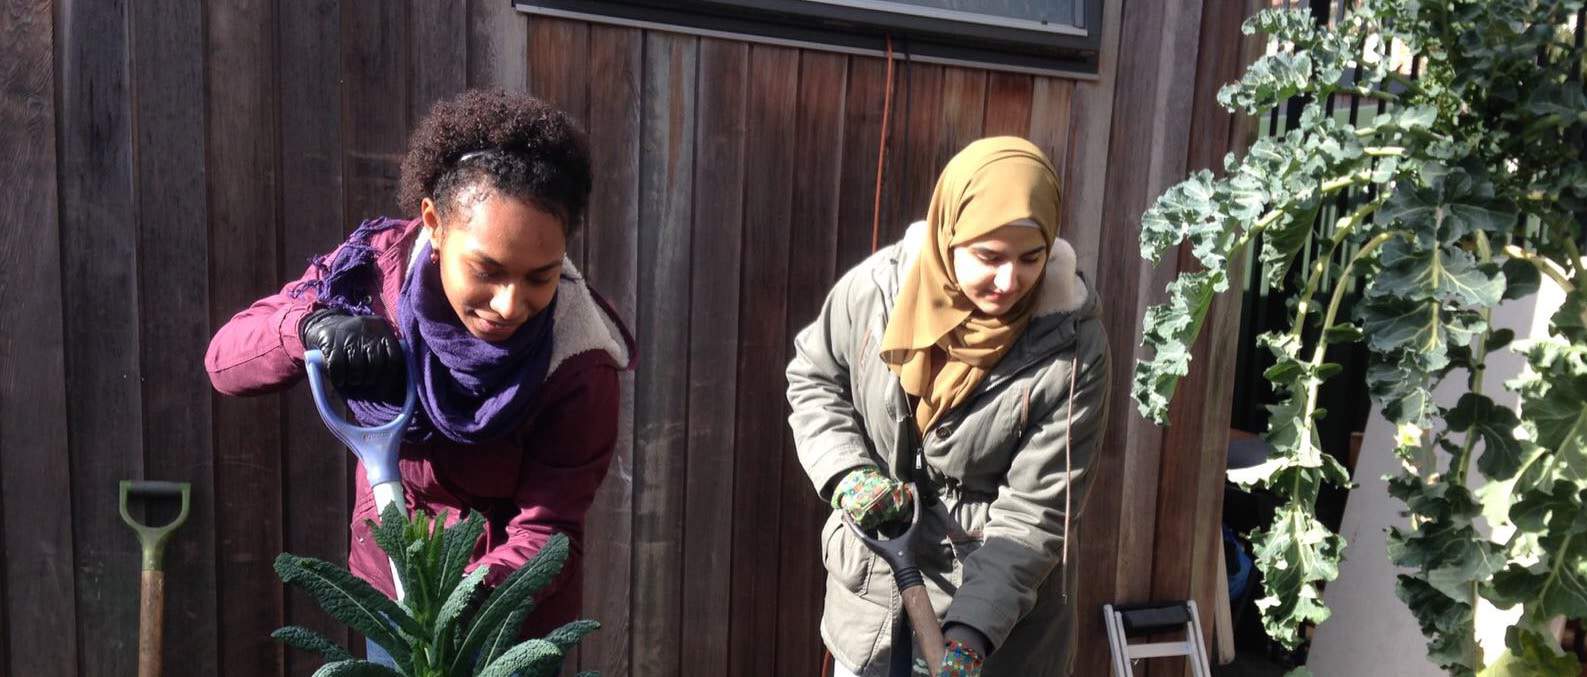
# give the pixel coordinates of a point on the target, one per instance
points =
(168, 162)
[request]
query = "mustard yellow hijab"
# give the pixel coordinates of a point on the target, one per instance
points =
(991, 183)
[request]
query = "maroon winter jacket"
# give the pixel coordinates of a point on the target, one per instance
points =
(537, 481)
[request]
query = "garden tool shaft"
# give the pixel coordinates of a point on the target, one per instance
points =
(377, 446)
(898, 553)
(151, 605)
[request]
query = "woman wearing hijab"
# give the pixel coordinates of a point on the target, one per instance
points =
(517, 357)
(969, 359)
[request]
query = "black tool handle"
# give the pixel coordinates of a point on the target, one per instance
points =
(908, 576)
(154, 488)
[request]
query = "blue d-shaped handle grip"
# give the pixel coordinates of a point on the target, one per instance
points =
(376, 446)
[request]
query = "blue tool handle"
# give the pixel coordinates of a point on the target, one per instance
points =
(376, 446)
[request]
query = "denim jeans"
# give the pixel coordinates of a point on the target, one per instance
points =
(378, 654)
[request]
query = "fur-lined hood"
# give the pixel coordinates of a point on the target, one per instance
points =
(584, 323)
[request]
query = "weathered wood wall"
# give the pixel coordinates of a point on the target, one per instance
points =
(168, 162)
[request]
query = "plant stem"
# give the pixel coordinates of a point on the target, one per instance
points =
(1347, 181)
(1546, 266)
(1266, 220)
(1384, 151)
(1342, 229)
(1556, 564)
(1321, 348)
(1256, 228)
(1339, 290)
(1478, 367)
(1575, 257)
(1330, 186)
(1370, 93)
(1409, 84)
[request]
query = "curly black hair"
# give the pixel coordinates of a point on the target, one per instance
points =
(513, 143)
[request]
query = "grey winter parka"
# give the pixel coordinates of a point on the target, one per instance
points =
(1008, 467)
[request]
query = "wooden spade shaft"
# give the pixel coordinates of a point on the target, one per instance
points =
(151, 623)
(928, 634)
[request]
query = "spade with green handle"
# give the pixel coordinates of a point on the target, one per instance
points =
(151, 609)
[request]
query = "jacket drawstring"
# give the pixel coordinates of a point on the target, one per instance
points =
(1069, 435)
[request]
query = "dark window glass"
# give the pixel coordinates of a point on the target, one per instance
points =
(1041, 36)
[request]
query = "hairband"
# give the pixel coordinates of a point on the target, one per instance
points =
(474, 154)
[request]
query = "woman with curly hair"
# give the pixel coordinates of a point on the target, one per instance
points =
(968, 362)
(517, 357)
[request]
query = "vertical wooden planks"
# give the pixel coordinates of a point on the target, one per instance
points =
(1008, 106)
(963, 111)
(1085, 183)
(713, 340)
(1224, 52)
(247, 432)
(1169, 108)
(1130, 157)
(1049, 125)
(918, 144)
(666, 198)
(769, 137)
(100, 309)
(375, 107)
(173, 252)
(559, 75)
(1148, 152)
(1179, 460)
(316, 495)
(813, 224)
(613, 234)
(862, 135)
(559, 63)
(1083, 159)
(1173, 103)
(242, 170)
(498, 46)
(439, 49)
(38, 607)
(376, 111)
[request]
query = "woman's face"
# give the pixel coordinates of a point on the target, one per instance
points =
(998, 269)
(500, 260)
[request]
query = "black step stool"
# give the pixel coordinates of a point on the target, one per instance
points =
(1125, 622)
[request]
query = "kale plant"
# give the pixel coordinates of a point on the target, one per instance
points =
(1467, 192)
(448, 624)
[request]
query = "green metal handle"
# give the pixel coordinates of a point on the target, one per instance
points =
(153, 538)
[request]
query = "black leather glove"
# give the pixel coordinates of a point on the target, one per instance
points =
(363, 358)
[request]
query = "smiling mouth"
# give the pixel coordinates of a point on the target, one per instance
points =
(492, 327)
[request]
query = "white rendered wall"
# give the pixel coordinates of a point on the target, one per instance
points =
(1371, 633)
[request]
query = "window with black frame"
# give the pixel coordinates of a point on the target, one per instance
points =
(1032, 36)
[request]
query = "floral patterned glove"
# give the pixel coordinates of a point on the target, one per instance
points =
(960, 661)
(872, 499)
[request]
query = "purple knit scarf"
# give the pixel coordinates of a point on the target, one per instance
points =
(470, 390)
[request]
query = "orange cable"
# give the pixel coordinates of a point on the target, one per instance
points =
(881, 150)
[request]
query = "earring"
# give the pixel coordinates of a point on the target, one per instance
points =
(435, 257)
